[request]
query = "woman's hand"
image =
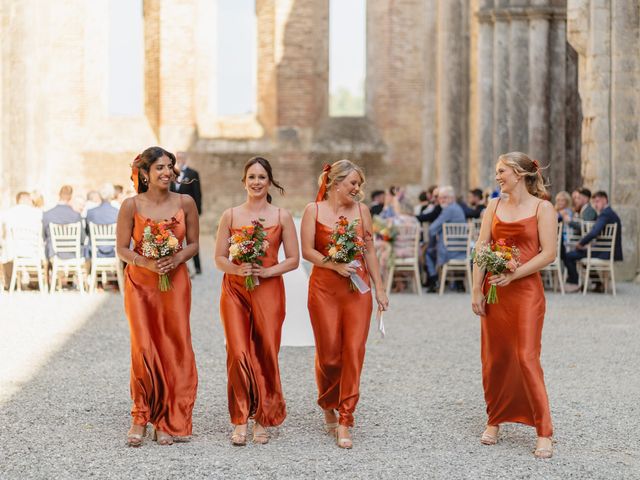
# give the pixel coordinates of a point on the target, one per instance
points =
(502, 279)
(244, 270)
(260, 271)
(166, 264)
(343, 269)
(383, 301)
(478, 302)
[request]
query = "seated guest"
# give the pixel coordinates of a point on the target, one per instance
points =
(377, 202)
(475, 205)
(432, 211)
(437, 254)
(118, 196)
(103, 214)
(61, 214)
(584, 212)
(606, 215)
(563, 207)
(423, 203)
(22, 215)
(93, 200)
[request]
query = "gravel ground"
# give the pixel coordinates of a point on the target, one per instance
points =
(420, 415)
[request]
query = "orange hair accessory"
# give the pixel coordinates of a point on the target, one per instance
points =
(134, 174)
(323, 186)
(537, 165)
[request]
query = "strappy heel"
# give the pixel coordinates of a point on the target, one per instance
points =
(238, 439)
(136, 439)
(161, 437)
(488, 439)
(330, 427)
(261, 438)
(344, 442)
(545, 452)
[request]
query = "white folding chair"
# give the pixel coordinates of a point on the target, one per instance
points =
(556, 265)
(456, 238)
(27, 253)
(605, 242)
(103, 236)
(66, 240)
(406, 254)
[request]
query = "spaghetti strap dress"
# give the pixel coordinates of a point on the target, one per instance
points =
(340, 318)
(252, 322)
(511, 333)
(164, 379)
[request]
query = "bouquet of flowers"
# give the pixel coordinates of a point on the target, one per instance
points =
(495, 258)
(345, 246)
(384, 230)
(158, 241)
(248, 246)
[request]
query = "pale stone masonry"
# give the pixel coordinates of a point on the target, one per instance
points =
(450, 85)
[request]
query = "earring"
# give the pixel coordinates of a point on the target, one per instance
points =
(144, 180)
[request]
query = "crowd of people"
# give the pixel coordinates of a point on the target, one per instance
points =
(438, 205)
(99, 206)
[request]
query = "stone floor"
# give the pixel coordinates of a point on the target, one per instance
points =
(64, 400)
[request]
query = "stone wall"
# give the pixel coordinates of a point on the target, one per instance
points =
(450, 85)
(606, 35)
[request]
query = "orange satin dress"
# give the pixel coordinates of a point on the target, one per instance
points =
(252, 322)
(511, 334)
(340, 319)
(164, 379)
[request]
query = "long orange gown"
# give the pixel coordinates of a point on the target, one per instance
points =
(511, 334)
(164, 378)
(252, 322)
(340, 319)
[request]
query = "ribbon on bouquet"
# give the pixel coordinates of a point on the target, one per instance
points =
(356, 280)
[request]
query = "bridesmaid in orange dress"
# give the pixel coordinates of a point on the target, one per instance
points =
(511, 329)
(163, 369)
(252, 320)
(340, 316)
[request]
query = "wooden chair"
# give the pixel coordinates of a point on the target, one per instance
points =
(605, 242)
(66, 240)
(28, 257)
(104, 236)
(406, 254)
(556, 265)
(456, 238)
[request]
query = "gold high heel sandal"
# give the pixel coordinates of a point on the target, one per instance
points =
(330, 427)
(545, 452)
(487, 438)
(162, 438)
(261, 438)
(344, 442)
(238, 439)
(136, 439)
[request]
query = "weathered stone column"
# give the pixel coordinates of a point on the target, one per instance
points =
(500, 83)
(452, 92)
(482, 157)
(557, 89)
(429, 142)
(518, 90)
(539, 85)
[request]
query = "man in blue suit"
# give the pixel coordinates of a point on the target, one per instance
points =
(606, 215)
(437, 254)
(103, 214)
(61, 214)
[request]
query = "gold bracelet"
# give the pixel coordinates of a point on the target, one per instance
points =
(135, 258)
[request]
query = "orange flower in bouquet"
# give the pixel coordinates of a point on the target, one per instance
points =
(345, 246)
(248, 246)
(158, 241)
(496, 257)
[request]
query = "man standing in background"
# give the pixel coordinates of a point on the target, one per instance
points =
(188, 183)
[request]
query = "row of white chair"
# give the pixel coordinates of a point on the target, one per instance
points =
(66, 239)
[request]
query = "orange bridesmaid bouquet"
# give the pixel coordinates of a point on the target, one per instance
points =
(496, 257)
(158, 241)
(345, 246)
(248, 246)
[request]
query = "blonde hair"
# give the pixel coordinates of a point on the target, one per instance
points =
(567, 198)
(339, 171)
(528, 169)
